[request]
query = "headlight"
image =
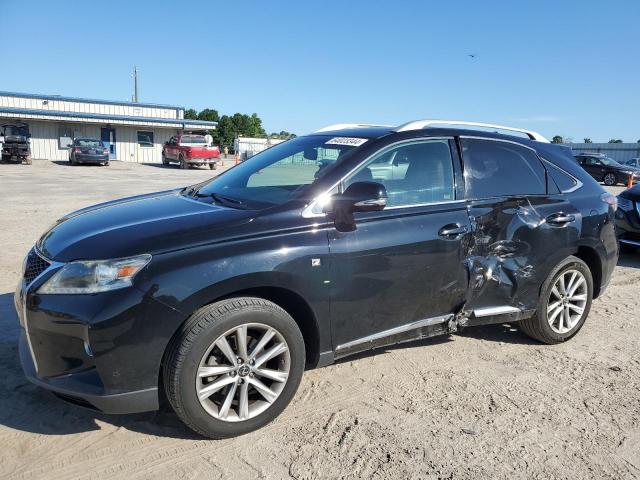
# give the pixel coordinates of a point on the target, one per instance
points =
(625, 204)
(94, 276)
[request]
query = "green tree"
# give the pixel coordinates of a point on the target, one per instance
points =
(587, 140)
(283, 135)
(557, 139)
(615, 140)
(190, 114)
(209, 115)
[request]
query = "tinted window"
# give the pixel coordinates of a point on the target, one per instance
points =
(494, 169)
(562, 179)
(414, 173)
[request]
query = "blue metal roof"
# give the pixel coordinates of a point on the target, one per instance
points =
(86, 100)
(100, 116)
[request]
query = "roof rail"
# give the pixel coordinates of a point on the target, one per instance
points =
(340, 126)
(419, 124)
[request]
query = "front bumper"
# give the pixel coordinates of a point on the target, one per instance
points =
(86, 389)
(102, 351)
(84, 158)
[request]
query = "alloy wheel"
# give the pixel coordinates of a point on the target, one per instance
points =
(243, 372)
(609, 179)
(567, 301)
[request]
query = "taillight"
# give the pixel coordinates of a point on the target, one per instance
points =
(77, 149)
(609, 199)
(105, 151)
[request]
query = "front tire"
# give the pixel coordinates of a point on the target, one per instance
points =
(610, 179)
(564, 303)
(234, 366)
(213, 166)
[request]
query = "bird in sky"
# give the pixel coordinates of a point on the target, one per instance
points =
(472, 55)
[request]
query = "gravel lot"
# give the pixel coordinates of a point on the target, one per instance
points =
(488, 403)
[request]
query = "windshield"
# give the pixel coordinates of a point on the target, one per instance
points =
(192, 139)
(16, 130)
(280, 173)
(87, 142)
(609, 161)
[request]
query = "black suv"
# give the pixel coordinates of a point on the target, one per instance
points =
(607, 170)
(218, 295)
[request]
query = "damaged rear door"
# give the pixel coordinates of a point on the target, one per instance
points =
(521, 228)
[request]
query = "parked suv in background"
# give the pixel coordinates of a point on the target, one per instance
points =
(607, 170)
(187, 150)
(218, 295)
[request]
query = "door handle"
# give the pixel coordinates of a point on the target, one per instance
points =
(560, 219)
(452, 230)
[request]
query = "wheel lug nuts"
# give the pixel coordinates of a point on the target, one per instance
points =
(252, 362)
(251, 374)
(240, 360)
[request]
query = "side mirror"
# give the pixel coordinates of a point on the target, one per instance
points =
(358, 197)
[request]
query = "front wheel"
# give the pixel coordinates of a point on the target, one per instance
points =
(28, 161)
(213, 166)
(610, 179)
(234, 366)
(564, 304)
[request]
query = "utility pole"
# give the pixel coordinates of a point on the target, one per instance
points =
(135, 84)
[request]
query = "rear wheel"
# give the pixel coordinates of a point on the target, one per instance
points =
(165, 162)
(213, 166)
(27, 160)
(610, 179)
(564, 304)
(234, 366)
(183, 164)
(106, 164)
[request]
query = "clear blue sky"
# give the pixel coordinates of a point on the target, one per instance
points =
(566, 67)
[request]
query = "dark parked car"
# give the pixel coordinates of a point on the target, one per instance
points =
(607, 170)
(88, 150)
(218, 295)
(628, 218)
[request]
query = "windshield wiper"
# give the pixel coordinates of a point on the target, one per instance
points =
(222, 200)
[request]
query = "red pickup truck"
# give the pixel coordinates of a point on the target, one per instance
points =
(187, 150)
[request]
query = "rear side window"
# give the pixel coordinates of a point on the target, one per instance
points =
(562, 179)
(496, 169)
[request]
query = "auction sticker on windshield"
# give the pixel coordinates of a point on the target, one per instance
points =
(351, 141)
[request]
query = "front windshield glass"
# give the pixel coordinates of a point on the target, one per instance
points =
(280, 173)
(609, 161)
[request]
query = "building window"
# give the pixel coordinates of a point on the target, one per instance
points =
(65, 135)
(145, 139)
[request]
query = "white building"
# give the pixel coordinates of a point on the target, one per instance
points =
(247, 147)
(133, 132)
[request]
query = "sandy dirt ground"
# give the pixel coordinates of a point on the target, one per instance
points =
(487, 403)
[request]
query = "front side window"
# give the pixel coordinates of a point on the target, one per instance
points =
(145, 139)
(280, 173)
(414, 173)
(497, 169)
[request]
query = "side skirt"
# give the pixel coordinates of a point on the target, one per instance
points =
(430, 327)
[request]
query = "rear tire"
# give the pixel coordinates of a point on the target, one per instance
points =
(106, 164)
(610, 179)
(165, 162)
(183, 164)
(196, 348)
(213, 166)
(546, 328)
(28, 161)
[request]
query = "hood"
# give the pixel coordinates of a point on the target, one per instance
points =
(150, 223)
